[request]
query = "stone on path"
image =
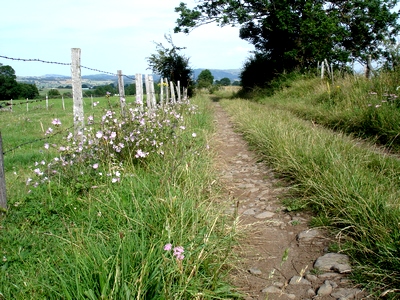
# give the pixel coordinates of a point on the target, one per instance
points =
(333, 261)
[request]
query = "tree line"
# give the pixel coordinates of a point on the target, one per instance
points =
(11, 89)
(294, 35)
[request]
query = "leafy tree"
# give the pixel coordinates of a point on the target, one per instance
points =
(205, 79)
(27, 90)
(170, 64)
(296, 34)
(53, 93)
(224, 81)
(130, 89)
(8, 83)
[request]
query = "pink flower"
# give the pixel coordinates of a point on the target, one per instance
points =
(168, 247)
(95, 166)
(56, 122)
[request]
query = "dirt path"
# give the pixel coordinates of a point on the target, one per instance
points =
(279, 251)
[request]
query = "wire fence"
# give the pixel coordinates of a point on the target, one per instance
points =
(64, 64)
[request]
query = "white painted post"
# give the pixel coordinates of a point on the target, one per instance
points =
(322, 70)
(47, 102)
(3, 194)
(77, 91)
(178, 88)
(161, 91)
(166, 91)
(173, 99)
(152, 92)
(121, 91)
(139, 90)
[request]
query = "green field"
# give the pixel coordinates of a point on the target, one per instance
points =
(97, 223)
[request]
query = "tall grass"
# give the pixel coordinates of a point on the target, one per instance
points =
(351, 188)
(352, 104)
(81, 236)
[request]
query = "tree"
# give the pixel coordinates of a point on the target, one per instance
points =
(53, 93)
(170, 64)
(224, 81)
(26, 90)
(8, 83)
(296, 34)
(205, 79)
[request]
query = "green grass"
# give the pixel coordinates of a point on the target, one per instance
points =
(79, 236)
(352, 187)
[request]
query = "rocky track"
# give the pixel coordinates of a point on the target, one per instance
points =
(280, 256)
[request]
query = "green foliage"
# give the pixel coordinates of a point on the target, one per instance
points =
(54, 93)
(172, 65)
(8, 83)
(205, 79)
(82, 236)
(293, 34)
(224, 81)
(11, 89)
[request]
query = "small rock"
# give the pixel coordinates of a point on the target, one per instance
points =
(310, 293)
(308, 235)
(344, 293)
(298, 280)
(341, 268)
(250, 212)
(311, 278)
(255, 271)
(264, 215)
(329, 260)
(325, 289)
(271, 290)
(291, 296)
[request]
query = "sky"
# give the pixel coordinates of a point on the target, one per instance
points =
(112, 35)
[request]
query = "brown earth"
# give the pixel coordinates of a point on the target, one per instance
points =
(276, 245)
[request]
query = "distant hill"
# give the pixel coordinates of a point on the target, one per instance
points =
(55, 80)
(232, 74)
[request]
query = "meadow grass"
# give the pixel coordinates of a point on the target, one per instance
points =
(352, 189)
(149, 229)
(366, 108)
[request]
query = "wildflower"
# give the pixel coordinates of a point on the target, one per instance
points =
(96, 103)
(90, 120)
(99, 134)
(178, 252)
(194, 134)
(140, 153)
(114, 180)
(378, 105)
(168, 247)
(38, 172)
(46, 146)
(28, 181)
(56, 122)
(48, 131)
(95, 166)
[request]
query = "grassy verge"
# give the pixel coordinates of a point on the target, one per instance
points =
(120, 227)
(351, 188)
(352, 104)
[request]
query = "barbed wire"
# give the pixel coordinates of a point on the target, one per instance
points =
(37, 140)
(64, 64)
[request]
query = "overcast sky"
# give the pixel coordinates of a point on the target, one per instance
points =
(113, 35)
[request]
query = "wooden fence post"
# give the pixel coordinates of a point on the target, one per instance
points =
(369, 68)
(77, 91)
(3, 194)
(153, 101)
(161, 91)
(47, 102)
(173, 99)
(121, 91)
(178, 88)
(63, 104)
(166, 91)
(139, 90)
(322, 70)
